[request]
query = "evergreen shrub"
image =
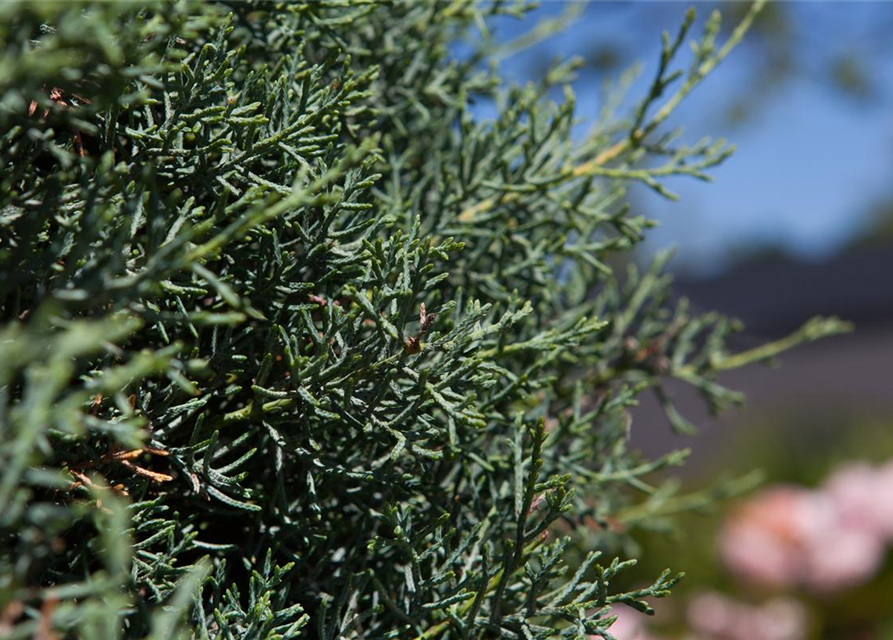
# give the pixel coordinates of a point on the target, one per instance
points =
(295, 345)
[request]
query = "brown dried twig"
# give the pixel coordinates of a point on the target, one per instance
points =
(58, 96)
(414, 343)
(125, 459)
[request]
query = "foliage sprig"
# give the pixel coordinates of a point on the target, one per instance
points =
(294, 344)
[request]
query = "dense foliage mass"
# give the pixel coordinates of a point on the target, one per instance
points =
(294, 345)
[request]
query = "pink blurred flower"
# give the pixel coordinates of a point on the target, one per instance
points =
(760, 542)
(715, 616)
(840, 558)
(629, 625)
(823, 540)
(864, 495)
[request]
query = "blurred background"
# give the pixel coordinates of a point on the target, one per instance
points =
(798, 222)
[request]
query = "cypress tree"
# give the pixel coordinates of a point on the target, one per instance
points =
(293, 344)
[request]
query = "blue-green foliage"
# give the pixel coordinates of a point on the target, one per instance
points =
(294, 346)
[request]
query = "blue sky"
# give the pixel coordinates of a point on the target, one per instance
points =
(811, 159)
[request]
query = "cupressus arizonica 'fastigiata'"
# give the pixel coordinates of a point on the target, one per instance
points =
(294, 345)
